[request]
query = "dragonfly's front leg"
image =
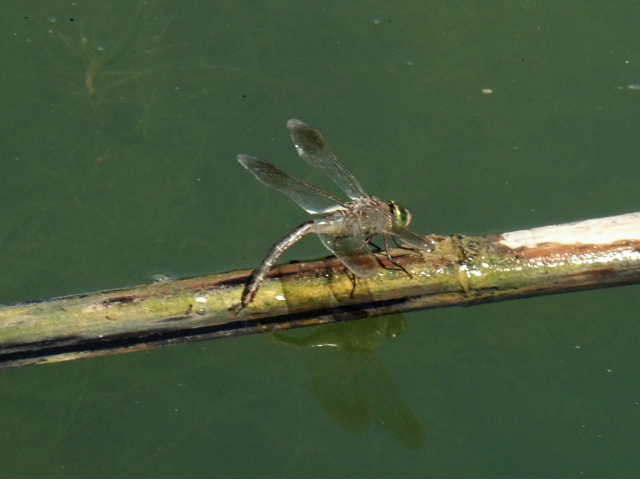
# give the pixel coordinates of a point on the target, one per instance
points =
(390, 258)
(259, 274)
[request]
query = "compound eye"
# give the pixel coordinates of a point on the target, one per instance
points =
(401, 215)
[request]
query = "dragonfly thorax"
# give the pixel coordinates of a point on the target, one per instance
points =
(366, 217)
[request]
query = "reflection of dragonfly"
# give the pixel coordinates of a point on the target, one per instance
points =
(351, 382)
(345, 227)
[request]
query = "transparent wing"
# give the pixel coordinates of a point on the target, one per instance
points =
(308, 197)
(313, 148)
(409, 238)
(354, 252)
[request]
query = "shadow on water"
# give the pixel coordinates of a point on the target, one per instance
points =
(349, 380)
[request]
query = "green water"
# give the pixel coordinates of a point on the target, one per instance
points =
(121, 121)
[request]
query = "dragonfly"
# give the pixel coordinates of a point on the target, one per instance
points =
(346, 227)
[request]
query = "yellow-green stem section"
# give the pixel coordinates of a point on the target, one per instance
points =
(463, 270)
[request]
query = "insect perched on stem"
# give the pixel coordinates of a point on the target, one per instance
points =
(344, 227)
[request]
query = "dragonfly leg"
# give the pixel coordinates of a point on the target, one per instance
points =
(391, 260)
(353, 279)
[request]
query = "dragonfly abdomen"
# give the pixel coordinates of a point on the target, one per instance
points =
(277, 250)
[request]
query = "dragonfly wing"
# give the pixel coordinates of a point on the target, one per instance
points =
(313, 148)
(354, 252)
(409, 238)
(311, 199)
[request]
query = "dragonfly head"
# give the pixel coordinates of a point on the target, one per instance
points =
(401, 216)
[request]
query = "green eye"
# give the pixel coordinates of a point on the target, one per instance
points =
(401, 215)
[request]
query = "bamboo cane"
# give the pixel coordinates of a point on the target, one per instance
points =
(461, 271)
